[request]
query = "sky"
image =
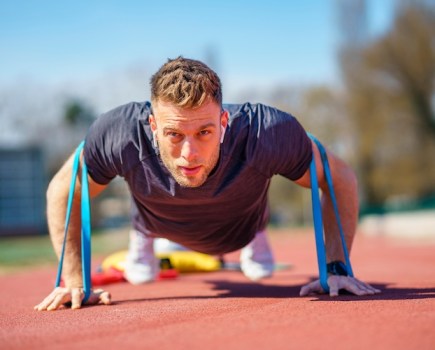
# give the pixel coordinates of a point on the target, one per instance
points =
(92, 44)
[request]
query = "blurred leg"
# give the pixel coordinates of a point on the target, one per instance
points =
(141, 265)
(256, 259)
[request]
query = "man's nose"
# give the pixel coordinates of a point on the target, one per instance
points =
(189, 150)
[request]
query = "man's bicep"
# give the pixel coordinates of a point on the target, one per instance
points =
(61, 182)
(94, 187)
(305, 180)
(340, 172)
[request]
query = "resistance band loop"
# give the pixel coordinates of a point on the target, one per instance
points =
(317, 216)
(86, 224)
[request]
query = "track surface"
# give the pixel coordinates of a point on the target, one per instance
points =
(222, 310)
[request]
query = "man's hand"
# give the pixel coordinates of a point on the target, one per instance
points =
(60, 296)
(336, 283)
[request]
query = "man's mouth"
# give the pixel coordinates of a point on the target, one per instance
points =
(190, 171)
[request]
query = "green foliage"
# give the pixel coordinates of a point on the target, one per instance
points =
(26, 252)
(77, 113)
(390, 92)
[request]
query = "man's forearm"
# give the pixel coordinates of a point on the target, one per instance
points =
(57, 196)
(346, 192)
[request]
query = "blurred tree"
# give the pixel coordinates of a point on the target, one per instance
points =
(404, 61)
(73, 120)
(78, 113)
(390, 94)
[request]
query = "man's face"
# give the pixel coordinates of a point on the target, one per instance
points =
(188, 139)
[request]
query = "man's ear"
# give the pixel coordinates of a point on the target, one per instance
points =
(153, 126)
(224, 118)
(152, 122)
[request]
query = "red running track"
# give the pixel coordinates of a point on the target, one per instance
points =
(222, 310)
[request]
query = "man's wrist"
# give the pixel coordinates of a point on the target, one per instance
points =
(337, 268)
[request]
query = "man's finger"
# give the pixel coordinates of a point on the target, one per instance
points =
(365, 287)
(106, 298)
(311, 287)
(58, 300)
(47, 301)
(103, 297)
(98, 296)
(351, 285)
(42, 305)
(369, 287)
(76, 298)
(333, 284)
(305, 290)
(370, 290)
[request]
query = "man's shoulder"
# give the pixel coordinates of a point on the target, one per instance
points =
(119, 139)
(257, 114)
(122, 120)
(130, 110)
(120, 125)
(246, 107)
(271, 140)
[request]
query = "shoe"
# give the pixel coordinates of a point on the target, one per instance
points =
(165, 246)
(256, 259)
(141, 265)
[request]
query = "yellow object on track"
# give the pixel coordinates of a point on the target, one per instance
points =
(182, 261)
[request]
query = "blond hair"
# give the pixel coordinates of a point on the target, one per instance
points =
(186, 83)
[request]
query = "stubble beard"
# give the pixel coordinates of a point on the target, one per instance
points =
(190, 181)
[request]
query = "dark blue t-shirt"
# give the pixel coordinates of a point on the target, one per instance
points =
(224, 213)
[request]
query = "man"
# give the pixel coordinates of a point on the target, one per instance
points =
(198, 173)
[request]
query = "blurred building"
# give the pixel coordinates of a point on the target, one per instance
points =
(22, 191)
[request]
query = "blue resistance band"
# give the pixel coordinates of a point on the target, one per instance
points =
(86, 224)
(317, 217)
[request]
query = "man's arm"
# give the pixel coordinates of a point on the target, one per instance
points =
(346, 192)
(57, 198)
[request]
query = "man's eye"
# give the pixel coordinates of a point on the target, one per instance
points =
(204, 132)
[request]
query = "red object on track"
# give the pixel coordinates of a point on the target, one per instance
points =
(168, 274)
(107, 277)
(115, 276)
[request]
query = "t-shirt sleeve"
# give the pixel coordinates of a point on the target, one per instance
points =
(300, 148)
(111, 146)
(288, 149)
(99, 150)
